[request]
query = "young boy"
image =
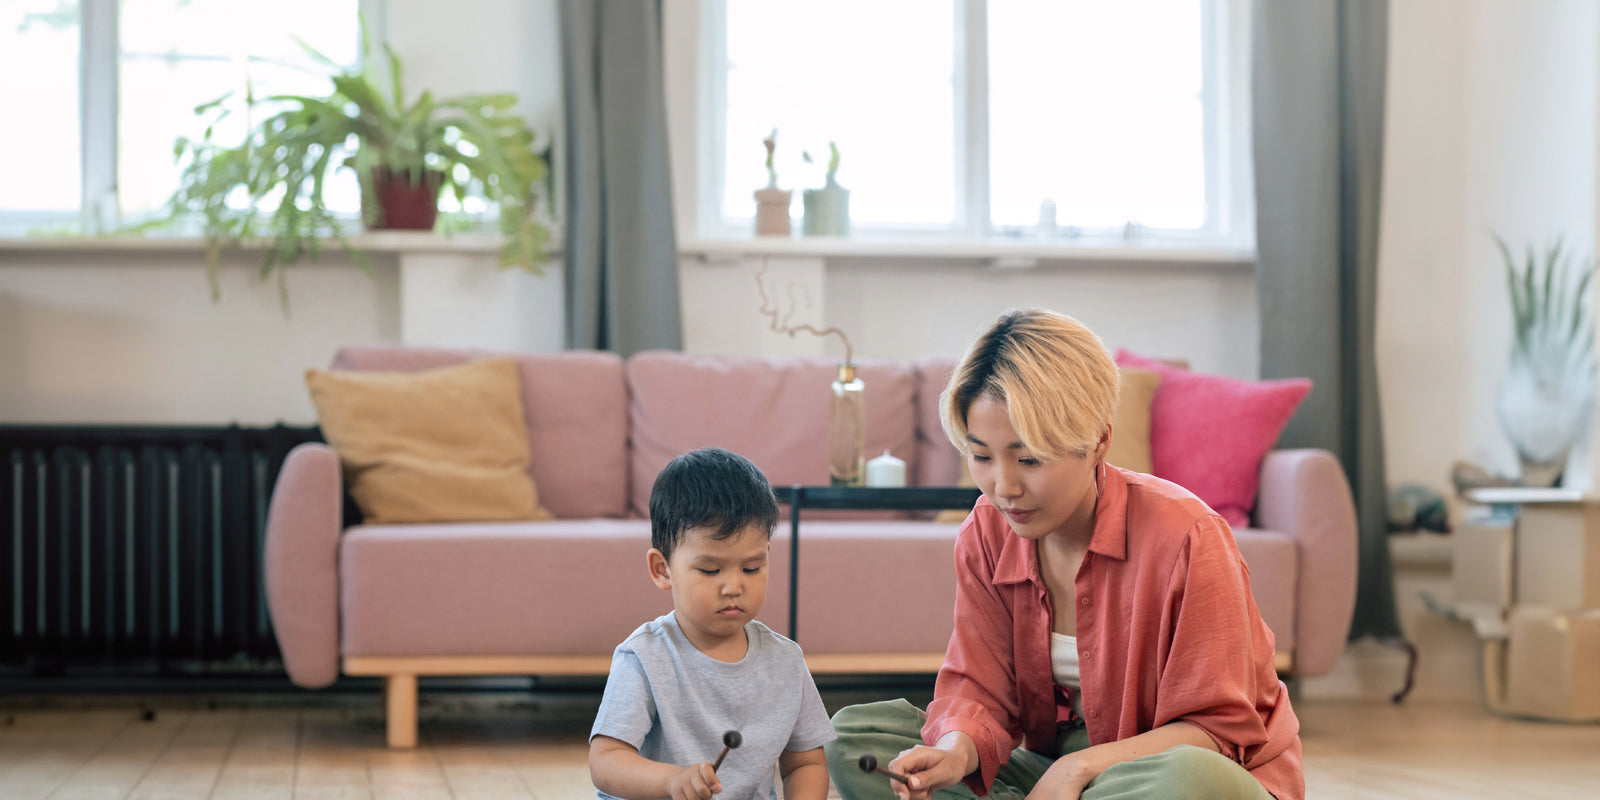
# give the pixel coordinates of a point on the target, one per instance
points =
(683, 680)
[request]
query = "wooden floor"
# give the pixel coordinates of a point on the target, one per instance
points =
(522, 746)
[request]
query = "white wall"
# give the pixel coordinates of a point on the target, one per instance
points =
(141, 342)
(1490, 127)
(477, 46)
(133, 337)
(1204, 313)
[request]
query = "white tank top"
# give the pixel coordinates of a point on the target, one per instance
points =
(1064, 666)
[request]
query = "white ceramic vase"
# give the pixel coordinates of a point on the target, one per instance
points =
(1545, 405)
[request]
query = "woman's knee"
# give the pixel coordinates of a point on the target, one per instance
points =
(896, 717)
(872, 727)
(1184, 772)
(881, 729)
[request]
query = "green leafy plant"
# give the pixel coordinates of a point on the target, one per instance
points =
(833, 160)
(470, 146)
(1549, 311)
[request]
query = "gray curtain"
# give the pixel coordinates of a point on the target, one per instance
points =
(621, 253)
(1317, 99)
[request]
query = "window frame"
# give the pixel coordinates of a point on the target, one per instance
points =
(695, 36)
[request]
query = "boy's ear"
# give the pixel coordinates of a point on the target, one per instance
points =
(657, 564)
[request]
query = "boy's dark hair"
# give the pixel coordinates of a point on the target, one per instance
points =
(709, 488)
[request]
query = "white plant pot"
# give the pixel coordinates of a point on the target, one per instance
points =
(1545, 405)
(827, 211)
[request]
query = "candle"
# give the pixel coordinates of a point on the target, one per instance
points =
(886, 471)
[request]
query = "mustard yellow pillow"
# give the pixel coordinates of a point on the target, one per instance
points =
(1130, 426)
(439, 445)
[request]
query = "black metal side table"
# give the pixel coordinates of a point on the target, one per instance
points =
(913, 498)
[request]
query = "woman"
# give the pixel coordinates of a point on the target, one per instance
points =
(1103, 618)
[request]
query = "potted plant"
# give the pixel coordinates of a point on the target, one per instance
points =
(1546, 399)
(772, 203)
(827, 210)
(406, 154)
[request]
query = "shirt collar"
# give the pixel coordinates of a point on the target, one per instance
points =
(1111, 514)
(1019, 559)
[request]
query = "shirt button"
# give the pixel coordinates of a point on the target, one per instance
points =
(1083, 601)
(1086, 655)
(1094, 712)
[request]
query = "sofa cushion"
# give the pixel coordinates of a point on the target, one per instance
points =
(875, 587)
(1208, 433)
(438, 445)
(773, 411)
(575, 406)
(491, 588)
(939, 462)
(1130, 427)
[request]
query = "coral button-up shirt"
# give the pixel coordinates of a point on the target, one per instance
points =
(1167, 631)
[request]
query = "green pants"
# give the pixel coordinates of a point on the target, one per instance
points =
(884, 729)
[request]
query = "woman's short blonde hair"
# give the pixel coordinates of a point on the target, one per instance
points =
(1055, 376)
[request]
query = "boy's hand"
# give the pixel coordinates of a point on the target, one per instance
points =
(695, 782)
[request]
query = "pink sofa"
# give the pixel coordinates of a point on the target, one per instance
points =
(543, 598)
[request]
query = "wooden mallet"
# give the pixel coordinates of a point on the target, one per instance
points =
(869, 763)
(730, 740)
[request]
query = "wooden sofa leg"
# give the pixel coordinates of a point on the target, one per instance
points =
(400, 709)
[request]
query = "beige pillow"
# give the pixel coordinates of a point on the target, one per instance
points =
(1130, 426)
(1130, 431)
(439, 445)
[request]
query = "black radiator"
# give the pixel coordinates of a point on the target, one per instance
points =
(137, 547)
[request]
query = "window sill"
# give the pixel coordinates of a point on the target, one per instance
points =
(999, 253)
(371, 242)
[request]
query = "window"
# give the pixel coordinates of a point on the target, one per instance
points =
(39, 139)
(1075, 120)
(900, 146)
(137, 69)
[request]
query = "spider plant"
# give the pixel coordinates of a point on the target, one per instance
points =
(1546, 399)
(1549, 312)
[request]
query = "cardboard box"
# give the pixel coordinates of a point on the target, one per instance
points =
(1552, 665)
(1481, 568)
(1558, 555)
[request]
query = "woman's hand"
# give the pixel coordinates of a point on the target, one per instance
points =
(695, 782)
(1064, 780)
(933, 768)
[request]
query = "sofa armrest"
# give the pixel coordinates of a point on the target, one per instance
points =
(1305, 494)
(300, 560)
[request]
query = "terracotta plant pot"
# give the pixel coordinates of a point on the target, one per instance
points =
(772, 212)
(402, 204)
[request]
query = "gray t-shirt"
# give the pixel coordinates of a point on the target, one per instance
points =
(674, 703)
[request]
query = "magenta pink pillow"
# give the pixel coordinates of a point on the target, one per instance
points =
(1208, 433)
